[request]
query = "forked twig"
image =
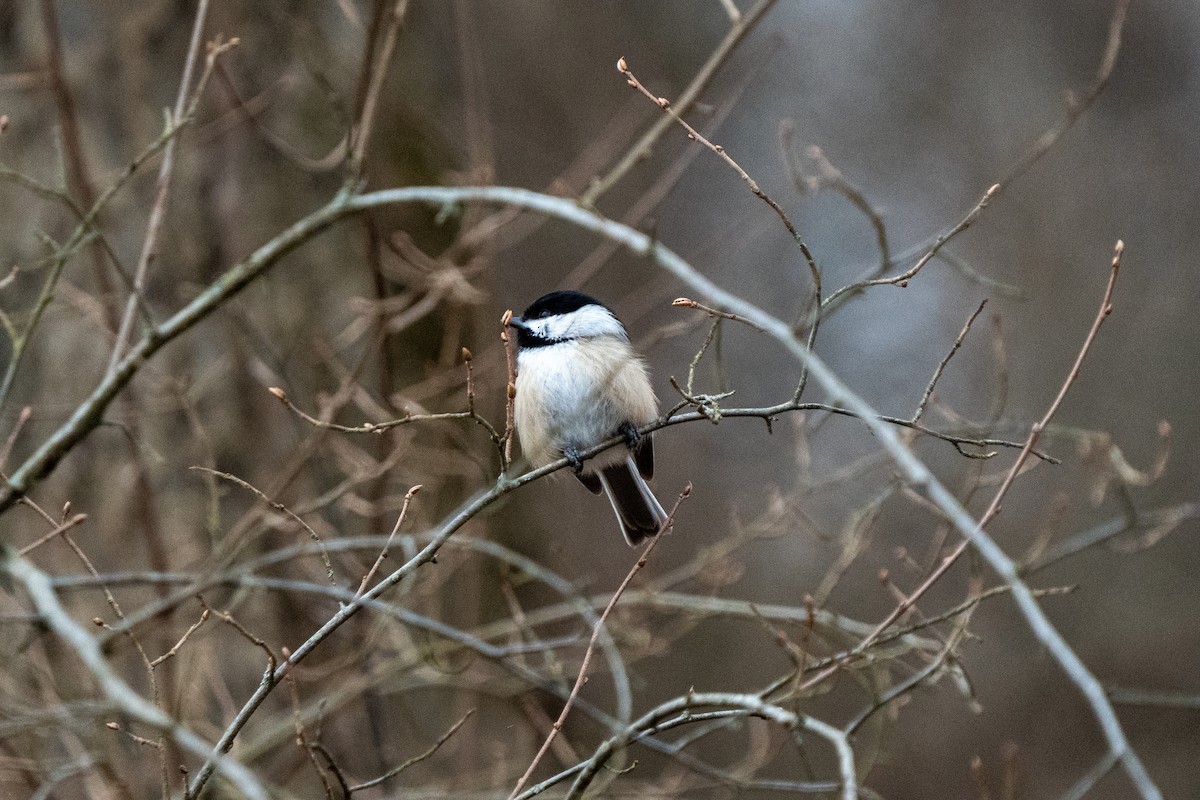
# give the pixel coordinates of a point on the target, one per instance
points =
(56, 532)
(903, 278)
(380, 427)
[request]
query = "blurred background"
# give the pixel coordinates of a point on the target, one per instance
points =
(919, 107)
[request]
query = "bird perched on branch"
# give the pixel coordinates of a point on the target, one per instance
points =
(579, 382)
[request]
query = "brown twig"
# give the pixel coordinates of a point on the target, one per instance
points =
(374, 88)
(142, 740)
(445, 737)
(639, 151)
(383, 554)
(903, 278)
(937, 373)
(829, 176)
(467, 359)
(309, 749)
(685, 302)
(581, 678)
(281, 508)
(231, 621)
(166, 171)
(380, 427)
(58, 531)
(6, 450)
(510, 362)
(696, 136)
(1077, 105)
(182, 639)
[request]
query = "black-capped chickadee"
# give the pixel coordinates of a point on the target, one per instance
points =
(579, 383)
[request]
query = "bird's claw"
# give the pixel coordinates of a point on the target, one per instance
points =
(572, 456)
(632, 435)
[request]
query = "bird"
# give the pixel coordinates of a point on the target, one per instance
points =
(579, 383)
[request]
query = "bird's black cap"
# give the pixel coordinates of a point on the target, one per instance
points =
(559, 303)
(549, 305)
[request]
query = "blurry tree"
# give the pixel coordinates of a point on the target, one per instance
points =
(265, 531)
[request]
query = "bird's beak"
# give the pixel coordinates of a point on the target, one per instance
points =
(519, 324)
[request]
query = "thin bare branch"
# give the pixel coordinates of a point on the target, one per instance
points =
(445, 737)
(383, 554)
(281, 508)
(581, 677)
(696, 136)
(941, 367)
(901, 280)
(684, 302)
(54, 534)
(665, 715)
(195, 626)
(166, 170)
(362, 136)
(687, 98)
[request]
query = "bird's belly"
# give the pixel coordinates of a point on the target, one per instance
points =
(567, 388)
(577, 413)
(571, 396)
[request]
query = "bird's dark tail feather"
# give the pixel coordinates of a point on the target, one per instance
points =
(638, 510)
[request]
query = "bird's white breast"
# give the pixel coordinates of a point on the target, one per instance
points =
(576, 393)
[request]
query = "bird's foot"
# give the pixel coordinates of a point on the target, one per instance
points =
(572, 457)
(632, 436)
